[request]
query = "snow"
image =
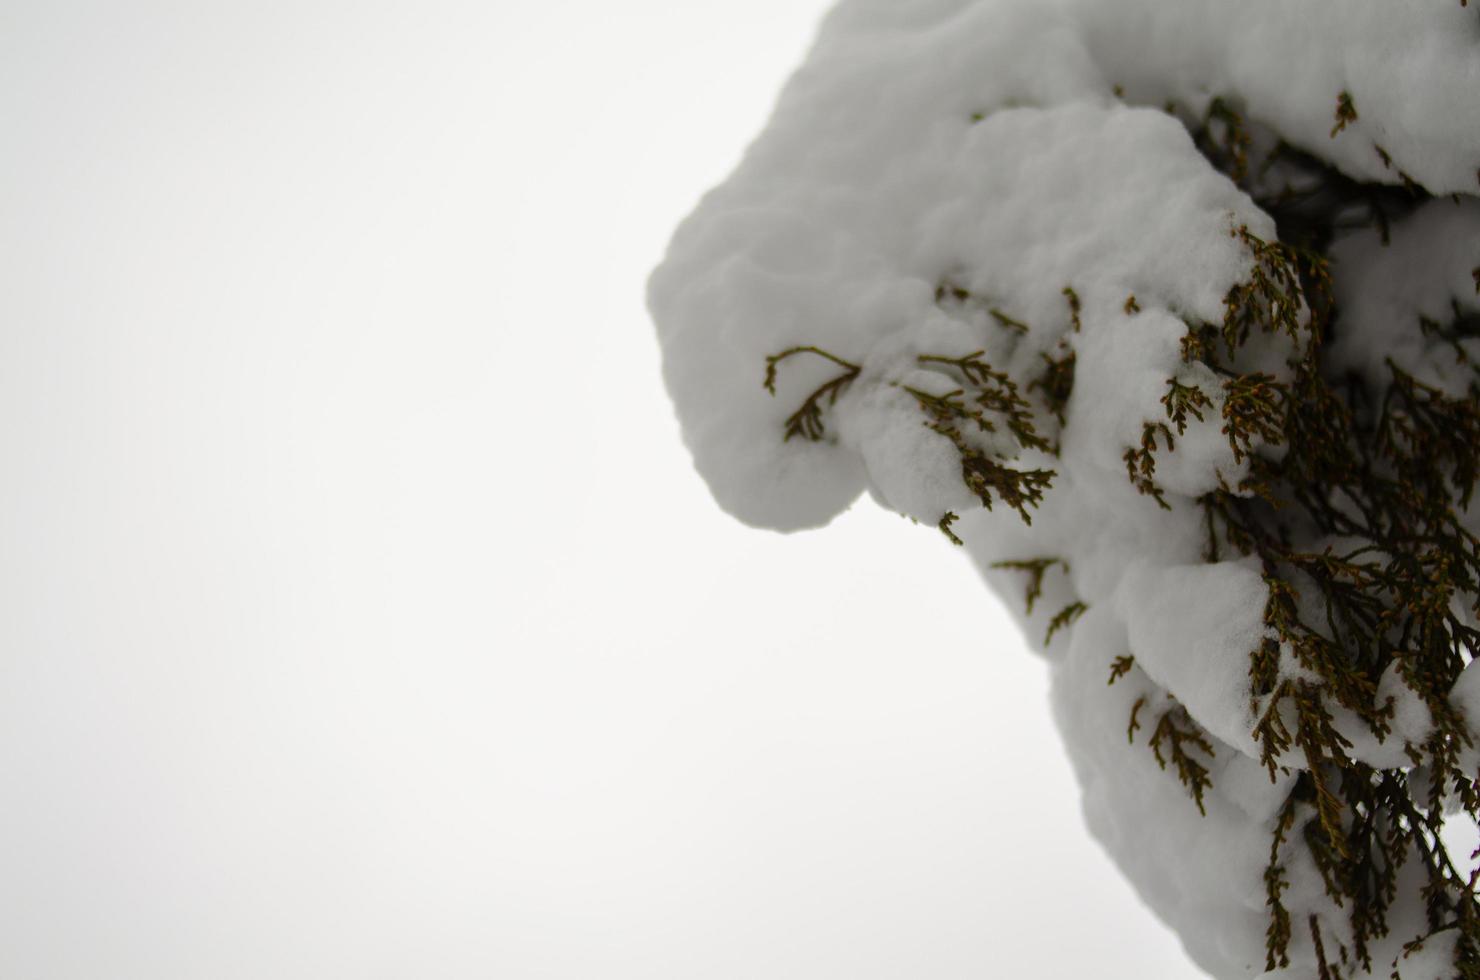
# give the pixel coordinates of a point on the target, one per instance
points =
(1432, 960)
(1426, 264)
(1193, 869)
(1208, 670)
(936, 163)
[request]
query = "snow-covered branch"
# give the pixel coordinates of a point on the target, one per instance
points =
(1190, 289)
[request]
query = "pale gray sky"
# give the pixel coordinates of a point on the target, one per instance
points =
(362, 614)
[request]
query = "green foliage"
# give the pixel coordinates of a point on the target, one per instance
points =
(1311, 201)
(992, 392)
(1385, 469)
(946, 520)
(1063, 619)
(1346, 112)
(1075, 308)
(994, 401)
(1388, 473)
(1224, 139)
(1179, 735)
(1277, 935)
(988, 401)
(1184, 400)
(1272, 298)
(1177, 740)
(1056, 383)
(807, 420)
(1140, 463)
(1035, 568)
(949, 292)
(1253, 412)
(1323, 966)
(1016, 326)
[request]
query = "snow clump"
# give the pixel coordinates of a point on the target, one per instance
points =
(988, 252)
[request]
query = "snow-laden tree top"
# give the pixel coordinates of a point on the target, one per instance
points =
(1166, 311)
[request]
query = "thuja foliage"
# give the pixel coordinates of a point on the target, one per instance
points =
(986, 402)
(1176, 739)
(1352, 505)
(1140, 461)
(1386, 471)
(1056, 383)
(806, 421)
(1063, 619)
(1035, 569)
(1346, 112)
(1182, 740)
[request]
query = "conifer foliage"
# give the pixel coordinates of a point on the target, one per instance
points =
(1282, 468)
(1359, 528)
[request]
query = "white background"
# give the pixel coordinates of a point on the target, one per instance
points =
(360, 612)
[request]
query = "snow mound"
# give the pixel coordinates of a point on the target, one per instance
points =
(973, 243)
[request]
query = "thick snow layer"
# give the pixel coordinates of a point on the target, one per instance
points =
(949, 177)
(1206, 670)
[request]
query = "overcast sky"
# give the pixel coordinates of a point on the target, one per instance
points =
(362, 614)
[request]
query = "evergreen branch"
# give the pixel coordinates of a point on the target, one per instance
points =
(1346, 112)
(948, 290)
(1277, 935)
(806, 421)
(1016, 326)
(1140, 464)
(1178, 733)
(1253, 411)
(1184, 400)
(1074, 305)
(1035, 568)
(1063, 619)
(1119, 667)
(946, 521)
(1135, 725)
(986, 477)
(1056, 382)
(1387, 467)
(1391, 473)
